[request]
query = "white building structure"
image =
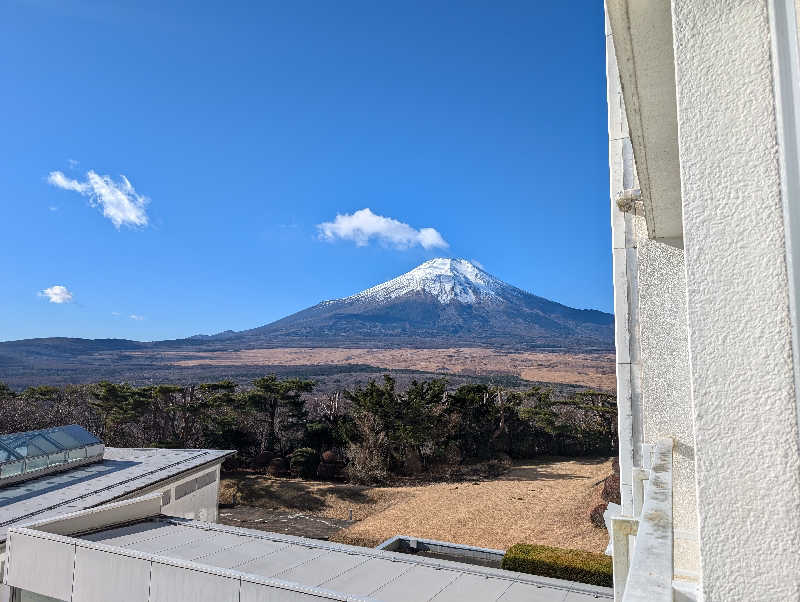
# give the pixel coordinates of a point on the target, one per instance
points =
(703, 99)
(53, 472)
(83, 523)
(131, 552)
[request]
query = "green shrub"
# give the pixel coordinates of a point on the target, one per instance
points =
(304, 462)
(559, 563)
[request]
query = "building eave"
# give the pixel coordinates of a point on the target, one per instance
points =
(642, 31)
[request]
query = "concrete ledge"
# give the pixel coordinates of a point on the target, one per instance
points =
(650, 575)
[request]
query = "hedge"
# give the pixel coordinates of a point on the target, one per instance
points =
(560, 563)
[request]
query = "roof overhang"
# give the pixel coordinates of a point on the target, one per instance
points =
(642, 31)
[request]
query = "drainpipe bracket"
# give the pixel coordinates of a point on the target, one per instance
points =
(630, 201)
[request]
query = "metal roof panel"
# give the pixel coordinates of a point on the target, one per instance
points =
(121, 473)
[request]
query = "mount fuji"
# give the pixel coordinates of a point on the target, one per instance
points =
(440, 302)
(443, 303)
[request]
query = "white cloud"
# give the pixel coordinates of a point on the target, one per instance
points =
(73, 163)
(477, 263)
(119, 201)
(57, 294)
(114, 313)
(363, 226)
(136, 317)
(57, 178)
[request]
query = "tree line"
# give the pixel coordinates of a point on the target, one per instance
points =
(376, 430)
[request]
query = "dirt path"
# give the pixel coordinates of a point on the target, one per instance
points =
(544, 502)
(281, 521)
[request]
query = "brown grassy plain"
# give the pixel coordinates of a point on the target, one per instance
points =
(544, 501)
(586, 369)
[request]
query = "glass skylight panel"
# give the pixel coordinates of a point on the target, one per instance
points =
(38, 445)
(76, 454)
(78, 433)
(11, 469)
(6, 454)
(95, 449)
(65, 440)
(33, 451)
(35, 463)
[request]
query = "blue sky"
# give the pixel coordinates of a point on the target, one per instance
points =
(243, 126)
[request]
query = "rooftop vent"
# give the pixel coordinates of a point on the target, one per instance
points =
(28, 455)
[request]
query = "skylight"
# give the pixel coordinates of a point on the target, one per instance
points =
(27, 455)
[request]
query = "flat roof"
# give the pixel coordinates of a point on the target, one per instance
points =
(120, 473)
(345, 571)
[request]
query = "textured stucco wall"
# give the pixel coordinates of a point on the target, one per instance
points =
(666, 394)
(748, 465)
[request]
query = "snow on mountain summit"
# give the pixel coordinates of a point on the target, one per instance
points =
(447, 302)
(445, 279)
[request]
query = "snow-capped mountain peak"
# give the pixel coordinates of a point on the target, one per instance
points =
(441, 302)
(445, 279)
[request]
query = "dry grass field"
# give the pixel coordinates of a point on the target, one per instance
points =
(591, 370)
(542, 502)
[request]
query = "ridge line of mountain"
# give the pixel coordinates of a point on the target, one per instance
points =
(442, 302)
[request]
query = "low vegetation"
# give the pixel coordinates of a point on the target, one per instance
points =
(379, 435)
(559, 563)
(543, 501)
(368, 434)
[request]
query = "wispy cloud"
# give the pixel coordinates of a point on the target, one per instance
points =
(73, 163)
(118, 201)
(136, 317)
(57, 294)
(114, 313)
(363, 226)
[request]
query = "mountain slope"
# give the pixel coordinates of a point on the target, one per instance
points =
(425, 315)
(441, 302)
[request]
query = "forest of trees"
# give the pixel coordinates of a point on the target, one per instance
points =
(373, 431)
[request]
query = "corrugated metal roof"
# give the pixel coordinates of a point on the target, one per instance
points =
(120, 473)
(348, 570)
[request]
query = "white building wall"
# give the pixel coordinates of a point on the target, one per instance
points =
(5, 592)
(653, 390)
(200, 504)
(740, 343)
(100, 575)
(79, 570)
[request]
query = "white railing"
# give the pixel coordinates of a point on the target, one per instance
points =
(643, 568)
